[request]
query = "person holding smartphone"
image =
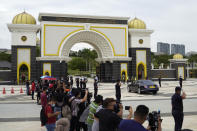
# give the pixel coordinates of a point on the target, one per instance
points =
(51, 115)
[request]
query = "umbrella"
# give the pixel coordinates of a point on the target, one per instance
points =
(48, 78)
(43, 77)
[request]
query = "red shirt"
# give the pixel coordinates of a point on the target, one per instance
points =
(33, 86)
(50, 85)
(51, 120)
(43, 99)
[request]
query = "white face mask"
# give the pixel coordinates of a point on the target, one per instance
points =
(53, 105)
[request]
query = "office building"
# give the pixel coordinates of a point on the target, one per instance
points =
(163, 48)
(177, 48)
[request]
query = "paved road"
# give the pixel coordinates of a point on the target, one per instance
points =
(190, 106)
(29, 110)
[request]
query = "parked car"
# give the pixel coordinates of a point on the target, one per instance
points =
(141, 86)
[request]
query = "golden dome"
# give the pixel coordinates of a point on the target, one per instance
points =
(24, 18)
(178, 56)
(136, 24)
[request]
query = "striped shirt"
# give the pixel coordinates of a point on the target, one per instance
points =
(92, 111)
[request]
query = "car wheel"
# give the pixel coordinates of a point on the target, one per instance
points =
(128, 89)
(155, 92)
(139, 91)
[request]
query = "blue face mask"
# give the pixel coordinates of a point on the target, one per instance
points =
(53, 105)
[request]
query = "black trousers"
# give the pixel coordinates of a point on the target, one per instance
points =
(180, 84)
(32, 95)
(38, 97)
(95, 92)
(74, 124)
(118, 98)
(178, 119)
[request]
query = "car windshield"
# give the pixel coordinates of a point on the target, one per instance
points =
(147, 82)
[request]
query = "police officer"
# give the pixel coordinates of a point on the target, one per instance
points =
(160, 81)
(71, 81)
(180, 81)
(177, 108)
(77, 82)
(95, 88)
(118, 91)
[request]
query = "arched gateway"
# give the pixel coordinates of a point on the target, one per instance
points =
(100, 44)
(121, 44)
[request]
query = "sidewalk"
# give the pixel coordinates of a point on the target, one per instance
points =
(167, 125)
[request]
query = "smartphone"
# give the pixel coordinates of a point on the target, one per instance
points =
(127, 107)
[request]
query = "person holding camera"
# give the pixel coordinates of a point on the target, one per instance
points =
(140, 116)
(110, 117)
(75, 101)
(177, 108)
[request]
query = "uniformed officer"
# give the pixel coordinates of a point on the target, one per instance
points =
(180, 81)
(160, 81)
(118, 91)
(95, 88)
(177, 108)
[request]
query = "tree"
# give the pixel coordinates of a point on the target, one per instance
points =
(192, 59)
(5, 57)
(77, 63)
(158, 59)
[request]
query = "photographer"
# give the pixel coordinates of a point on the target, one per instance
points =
(109, 117)
(140, 116)
(75, 101)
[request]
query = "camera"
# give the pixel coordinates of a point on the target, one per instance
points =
(127, 107)
(89, 95)
(153, 119)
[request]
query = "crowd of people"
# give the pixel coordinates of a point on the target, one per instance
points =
(66, 107)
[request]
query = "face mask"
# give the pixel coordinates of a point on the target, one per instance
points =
(53, 105)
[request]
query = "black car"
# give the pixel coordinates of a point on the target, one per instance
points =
(141, 86)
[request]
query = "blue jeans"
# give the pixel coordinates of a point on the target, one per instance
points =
(27, 90)
(50, 127)
(89, 127)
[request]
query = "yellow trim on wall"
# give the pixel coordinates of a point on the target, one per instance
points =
(91, 28)
(145, 69)
(145, 65)
(44, 71)
(126, 73)
(183, 72)
(57, 54)
(25, 63)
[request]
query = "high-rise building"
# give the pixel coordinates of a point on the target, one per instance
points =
(177, 48)
(163, 48)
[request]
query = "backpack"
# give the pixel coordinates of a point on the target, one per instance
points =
(66, 112)
(84, 115)
(43, 116)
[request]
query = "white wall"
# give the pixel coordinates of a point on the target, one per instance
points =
(136, 35)
(141, 56)
(31, 38)
(52, 36)
(23, 55)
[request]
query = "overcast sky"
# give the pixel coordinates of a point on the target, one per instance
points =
(173, 21)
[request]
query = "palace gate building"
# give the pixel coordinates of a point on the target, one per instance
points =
(122, 44)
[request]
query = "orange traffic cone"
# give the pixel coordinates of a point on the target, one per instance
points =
(21, 91)
(12, 90)
(4, 92)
